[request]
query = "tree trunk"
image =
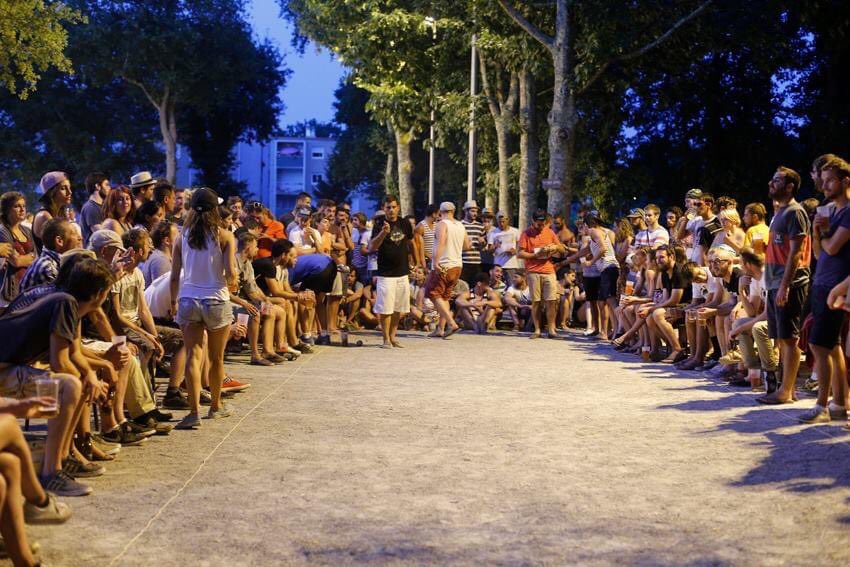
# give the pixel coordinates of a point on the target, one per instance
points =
(390, 187)
(562, 119)
(503, 142)
(405, 171)
(529, 149)
(502, 103)
(168, 129)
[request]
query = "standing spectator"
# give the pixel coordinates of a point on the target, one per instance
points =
(163, 237)
(302, 201)
(270, 229)
(91, 215)
(148, 215)
(652, 235)
(358, 258)
(55, 190)
(236, 205)
(708, 229)
(757, 231)
(786, 278)
(119, 210)
(831, 242)
(206, 254)
(475, 232)
(179, 206)
(163, 195)
(671, 219)
(487, 260)
(502, 241)
(602, 256)
(536, 245)
(392, 239)
(450, 240)
(13, 212)
(59, 237)
(425, 229)
(304, 237)
(142, 185)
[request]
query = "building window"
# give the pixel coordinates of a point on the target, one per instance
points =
(318, 153)
(317, 178)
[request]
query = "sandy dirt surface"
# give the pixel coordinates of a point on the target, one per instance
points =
(478, 450)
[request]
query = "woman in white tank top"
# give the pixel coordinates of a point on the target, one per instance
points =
(206, 254)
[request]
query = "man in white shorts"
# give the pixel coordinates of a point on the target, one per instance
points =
(392, 239)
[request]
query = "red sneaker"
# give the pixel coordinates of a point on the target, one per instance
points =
(233, 385)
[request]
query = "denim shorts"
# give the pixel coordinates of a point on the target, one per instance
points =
(212, 313)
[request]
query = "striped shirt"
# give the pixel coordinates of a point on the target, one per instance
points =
(474, 230)
(428, 238)
(43, 271)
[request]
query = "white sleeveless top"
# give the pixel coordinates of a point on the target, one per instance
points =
(608, 258)
(452, 253)
(428, 238)
(203, 272)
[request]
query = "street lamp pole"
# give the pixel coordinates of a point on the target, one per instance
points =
(431, 163)
(472, 157)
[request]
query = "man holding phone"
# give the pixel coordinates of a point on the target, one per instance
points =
(537, 244)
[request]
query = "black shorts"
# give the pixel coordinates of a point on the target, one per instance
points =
(826, 331)
(784, 322)
(468, 273)
(322, 282)
(608, 283)
(591, 287)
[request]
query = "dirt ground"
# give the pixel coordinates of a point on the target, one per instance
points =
(478, 450)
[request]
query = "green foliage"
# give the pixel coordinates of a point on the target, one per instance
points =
(32, 40)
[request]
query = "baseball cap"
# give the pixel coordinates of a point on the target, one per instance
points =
(102, 238)
(303, 212)
(694, 194)
(486, 212)
(501, 215)
(540, 216)
(205, 199)
(446, 206)
(50, 180)
(470, 205)
(635, 213)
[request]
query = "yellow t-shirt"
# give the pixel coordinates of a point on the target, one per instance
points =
(758, 233)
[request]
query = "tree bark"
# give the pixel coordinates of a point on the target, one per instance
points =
(390, 172)
(529, 149)
(168, 127)
(502, 107)
(405, 171)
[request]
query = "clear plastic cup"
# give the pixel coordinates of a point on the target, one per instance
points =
(242, 318)
(48, 388)
(119, 340)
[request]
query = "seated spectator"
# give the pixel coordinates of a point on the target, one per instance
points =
(676, 290)
(17, 240)
(149, 215)
(58, 237)
(732, 234)
(269, 229)
(517, 300)
(42, 341)
(757, 231)
(119, 210)
(304, 236)
(751, 330)
(479, 308)
(55, 193)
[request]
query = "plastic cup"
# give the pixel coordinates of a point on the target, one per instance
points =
(823, 210)
(48, 388)
(644, 353)
(119, 340)
(630, 287)
(242, 318)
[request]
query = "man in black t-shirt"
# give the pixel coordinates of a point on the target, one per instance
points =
(43, 341)
(392, 239)
(676, 290)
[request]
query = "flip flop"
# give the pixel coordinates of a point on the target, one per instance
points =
(771, 400)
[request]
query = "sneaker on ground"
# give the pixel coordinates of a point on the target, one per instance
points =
(261, 362)
(161, 415)
(78, 469)
(294, 352)
(837, 413)
(104, 445)
(324, 340)
(222, 412)
(158, 428)
(53, 512)
(190, 421)
(817, 414)
(274, 357)
(234, 385)
(175, 400)
(304, 348)
(143, 430)
(61, 484)
(124, 436)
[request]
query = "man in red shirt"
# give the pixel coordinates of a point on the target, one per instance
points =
(537, 245)
(270, 229)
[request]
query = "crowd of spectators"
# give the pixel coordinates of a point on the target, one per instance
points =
(153, 281)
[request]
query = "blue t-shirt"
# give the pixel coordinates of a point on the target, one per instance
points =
(306, 266)
(832, 269)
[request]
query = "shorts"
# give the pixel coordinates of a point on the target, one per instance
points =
(336, 289)
(608, 283)
(393, 295)
(322, 282)
(440, 284)
(826, 331)
(592, 285)
(214, 314)
(784, 322)
(363, 275)
(18, 380)
(543, 287)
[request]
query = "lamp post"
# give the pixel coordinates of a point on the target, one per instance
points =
(472, 158)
